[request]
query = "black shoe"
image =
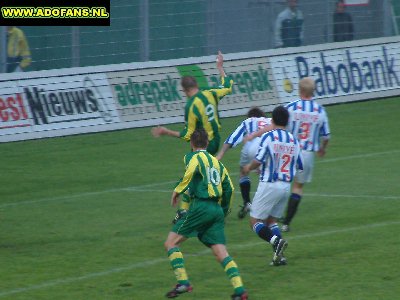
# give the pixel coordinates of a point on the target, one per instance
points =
(179, 214)
(243, 296)
(279, 246)
(179, 289)
(244, 209)
(281, 262)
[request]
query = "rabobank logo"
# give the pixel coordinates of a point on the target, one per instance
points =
(349, 71)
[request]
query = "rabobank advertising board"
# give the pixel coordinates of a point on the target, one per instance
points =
(341, 75)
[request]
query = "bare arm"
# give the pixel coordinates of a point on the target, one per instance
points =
(160, 130)
(220, 63)
(221, 153)
(251, 166)
(258, 133)
(322, 149)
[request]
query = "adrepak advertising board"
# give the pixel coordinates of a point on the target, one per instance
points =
(155, 96)
(44, 107)
(341, 75)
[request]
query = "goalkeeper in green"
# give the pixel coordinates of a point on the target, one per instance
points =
(211, 192)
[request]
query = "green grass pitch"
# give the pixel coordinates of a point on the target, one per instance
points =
(85, 217)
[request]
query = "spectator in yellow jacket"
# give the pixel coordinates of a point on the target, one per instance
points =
(18, 54)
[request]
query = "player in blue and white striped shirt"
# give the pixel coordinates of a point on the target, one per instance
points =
(279, 156)
(308, 121)
(255, 121)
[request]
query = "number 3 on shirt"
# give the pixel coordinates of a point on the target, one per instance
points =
(305, 131)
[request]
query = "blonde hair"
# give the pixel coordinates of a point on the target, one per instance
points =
(307, 86)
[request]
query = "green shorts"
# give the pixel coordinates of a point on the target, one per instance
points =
(205, 219)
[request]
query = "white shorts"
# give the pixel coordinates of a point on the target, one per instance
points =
(249, 151)
(270, 200)
(308, 166)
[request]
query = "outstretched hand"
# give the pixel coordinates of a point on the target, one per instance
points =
(157, 131)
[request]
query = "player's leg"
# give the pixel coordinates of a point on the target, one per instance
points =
(293, 204)
(245, 185)
(297, 189)
(278, 203)
(232, 271)
(244, 180)
(265, 199)
(211, 234)
(178, 265)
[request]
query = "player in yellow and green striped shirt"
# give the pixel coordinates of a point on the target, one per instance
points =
(201, 110)
(211, 191)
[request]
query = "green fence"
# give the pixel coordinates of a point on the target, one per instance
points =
(180, 27)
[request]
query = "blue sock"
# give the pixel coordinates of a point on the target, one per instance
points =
(275, 230)
(264, 232)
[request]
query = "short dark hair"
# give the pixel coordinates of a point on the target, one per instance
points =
(188, 82)
(255, 112)
(199, 138)
(280, 116)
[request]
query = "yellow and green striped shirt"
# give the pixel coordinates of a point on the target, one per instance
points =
(208, 179)
(201, 110)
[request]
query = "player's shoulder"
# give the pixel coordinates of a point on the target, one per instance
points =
(292, 105)
(268, 136)
(188, 157)
(318, 107)
(292, 138)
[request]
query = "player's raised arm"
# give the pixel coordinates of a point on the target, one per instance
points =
(225, 87)
(220, 64)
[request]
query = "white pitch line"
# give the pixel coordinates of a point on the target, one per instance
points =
(306, 194)
(76, 196)
(353, 196)
(155, 261)
(328, 160)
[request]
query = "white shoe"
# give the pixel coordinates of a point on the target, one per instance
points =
(285, 228)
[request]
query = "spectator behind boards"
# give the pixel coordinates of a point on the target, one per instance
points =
(289, 28)
(18, 54)
(342, 24)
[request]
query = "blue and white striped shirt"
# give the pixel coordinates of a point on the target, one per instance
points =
(247, 127)
(280, 156)
(308, 122)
